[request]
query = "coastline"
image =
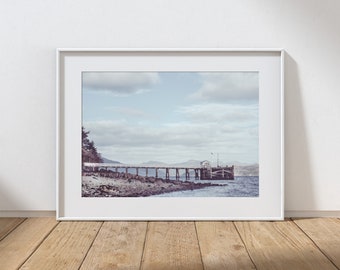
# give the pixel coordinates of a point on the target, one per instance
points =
(129, 185)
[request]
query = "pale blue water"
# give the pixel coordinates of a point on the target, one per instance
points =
(242, 186)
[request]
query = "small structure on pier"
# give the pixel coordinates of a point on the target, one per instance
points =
(207, 172)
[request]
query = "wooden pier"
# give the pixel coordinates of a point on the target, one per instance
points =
(198, 172)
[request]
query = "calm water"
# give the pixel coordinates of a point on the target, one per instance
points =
(242, 186)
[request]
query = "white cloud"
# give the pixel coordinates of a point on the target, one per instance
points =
(220, 113)
(120, 83)
(121, 133)
(229, 87)
(172, 142)
(130, 112)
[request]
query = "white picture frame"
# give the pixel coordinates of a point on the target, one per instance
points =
(269, 205)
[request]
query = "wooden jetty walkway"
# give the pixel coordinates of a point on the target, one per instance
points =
(116, 166)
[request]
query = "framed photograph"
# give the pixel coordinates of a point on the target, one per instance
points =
(170, 134)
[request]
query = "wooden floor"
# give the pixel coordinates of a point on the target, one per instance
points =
(43, 243)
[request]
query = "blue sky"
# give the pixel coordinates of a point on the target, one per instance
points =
(172, 117)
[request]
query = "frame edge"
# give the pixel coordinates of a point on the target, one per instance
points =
(60, 51)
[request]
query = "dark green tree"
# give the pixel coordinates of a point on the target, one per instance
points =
(89, 151)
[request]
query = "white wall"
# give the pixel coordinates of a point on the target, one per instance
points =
(30, 31)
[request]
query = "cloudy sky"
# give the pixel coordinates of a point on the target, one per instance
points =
(173, 117)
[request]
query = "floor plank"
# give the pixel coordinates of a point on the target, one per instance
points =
(8, 224)
(20, 243)
(281, 245)
(65, 248)
(222, 247)
(119, 245)
(325, 232)
(171, 245)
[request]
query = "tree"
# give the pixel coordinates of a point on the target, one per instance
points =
(89, 151)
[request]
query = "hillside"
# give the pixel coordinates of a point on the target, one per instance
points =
(247, 170)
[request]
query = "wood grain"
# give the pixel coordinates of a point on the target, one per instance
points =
(325, 232)
(281, 245)
(119, 245)
(171, 245)
(222, 247)
(21, 242)
(39, 243)
(8, 224)
(65, 248)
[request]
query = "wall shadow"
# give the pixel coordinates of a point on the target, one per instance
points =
(299, 190)
(7, 202)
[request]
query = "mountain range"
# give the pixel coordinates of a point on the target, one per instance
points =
(240, 169)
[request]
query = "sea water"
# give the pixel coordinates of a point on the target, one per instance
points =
(241, 186)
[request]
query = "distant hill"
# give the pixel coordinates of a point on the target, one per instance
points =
(189, 163)
(106, 160)
(154, 163)
(246, 170)
(237, 163)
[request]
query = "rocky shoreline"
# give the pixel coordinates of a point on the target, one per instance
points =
(112, 184)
